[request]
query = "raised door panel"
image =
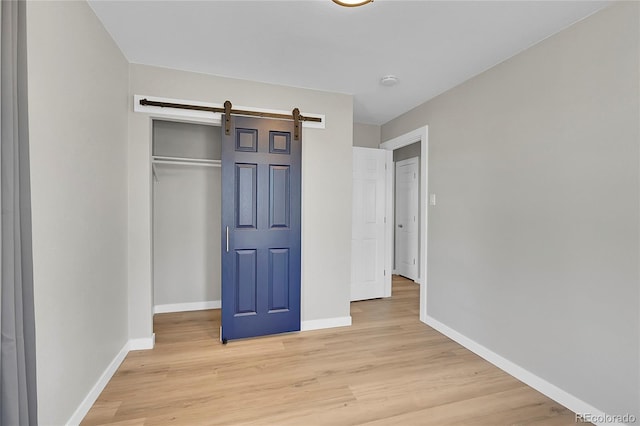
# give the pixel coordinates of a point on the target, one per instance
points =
(246, 282)
(246, 196)
(279, 196)
(247, 140)
(279, 280)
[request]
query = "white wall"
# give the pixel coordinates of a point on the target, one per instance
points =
(326, 177)
(534, 242)
(78, 136)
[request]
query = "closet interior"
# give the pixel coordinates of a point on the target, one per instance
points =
(186, 216)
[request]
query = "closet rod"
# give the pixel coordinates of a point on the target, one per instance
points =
(184, 159)
(188, 163)
(232, 111)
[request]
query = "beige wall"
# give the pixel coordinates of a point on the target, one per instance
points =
(326, 190)
(407, 152)
(366, 135)
(533, 245)
(186, 234)
(78, 135)
(91, 190)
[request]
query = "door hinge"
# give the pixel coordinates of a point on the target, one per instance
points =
(414, 261)
(385, 219)
(385, 272)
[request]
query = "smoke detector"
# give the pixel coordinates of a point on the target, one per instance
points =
(389, 80)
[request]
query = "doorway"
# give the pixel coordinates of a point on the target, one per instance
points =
(259, 275)
(186, 191)
(420, 136)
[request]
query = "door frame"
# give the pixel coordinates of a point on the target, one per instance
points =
(420, 134)
(213, 119)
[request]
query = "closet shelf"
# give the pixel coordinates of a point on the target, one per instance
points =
(185, 161)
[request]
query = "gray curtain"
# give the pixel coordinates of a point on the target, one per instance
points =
(17, 342)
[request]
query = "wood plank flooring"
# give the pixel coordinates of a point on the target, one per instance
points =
(386, 369)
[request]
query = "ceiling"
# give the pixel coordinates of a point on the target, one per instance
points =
(431, 46)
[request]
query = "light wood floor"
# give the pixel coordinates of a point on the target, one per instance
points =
(386, 369)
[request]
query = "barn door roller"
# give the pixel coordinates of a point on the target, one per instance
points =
(227, 117)
(296, 124)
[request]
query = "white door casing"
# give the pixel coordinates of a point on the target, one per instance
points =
(368, 275)
(421, 135)
(407, 218)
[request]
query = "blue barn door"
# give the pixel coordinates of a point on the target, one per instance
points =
(261, 190)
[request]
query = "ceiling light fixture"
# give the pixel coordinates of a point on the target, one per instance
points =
(351, 3)
(389, 80)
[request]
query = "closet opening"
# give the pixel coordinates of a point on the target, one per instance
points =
(186, 216)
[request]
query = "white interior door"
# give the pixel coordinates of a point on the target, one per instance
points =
(407, 214)
(368, 275)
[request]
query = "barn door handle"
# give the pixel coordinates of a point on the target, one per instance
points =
(227, 239)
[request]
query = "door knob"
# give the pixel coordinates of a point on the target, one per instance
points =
(399, 226)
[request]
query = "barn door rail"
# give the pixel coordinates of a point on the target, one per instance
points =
(228, 110)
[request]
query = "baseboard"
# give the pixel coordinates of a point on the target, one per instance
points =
(560, 396)
(325, 323)
(96, 390)
(183, 307)
(142, 343)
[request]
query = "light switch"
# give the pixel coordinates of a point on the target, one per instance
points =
(432, 199)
